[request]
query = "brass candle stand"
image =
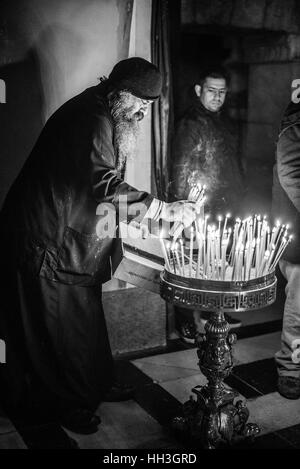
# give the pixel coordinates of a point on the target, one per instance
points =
(214, 419)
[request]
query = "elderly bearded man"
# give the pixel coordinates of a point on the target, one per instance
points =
(205, 147)
(53, 262)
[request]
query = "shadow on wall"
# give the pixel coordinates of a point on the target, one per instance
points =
(34, 89)
(20, 117)
(60, 52)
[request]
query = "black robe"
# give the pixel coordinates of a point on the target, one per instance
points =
(53, 261)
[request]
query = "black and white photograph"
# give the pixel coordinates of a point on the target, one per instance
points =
(150, 227)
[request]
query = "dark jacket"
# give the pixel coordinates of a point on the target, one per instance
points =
(206, 145)
(49, 216)
(286, 179)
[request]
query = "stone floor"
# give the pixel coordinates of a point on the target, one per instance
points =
(164, 381)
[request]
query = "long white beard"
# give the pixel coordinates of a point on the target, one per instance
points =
(126, 134)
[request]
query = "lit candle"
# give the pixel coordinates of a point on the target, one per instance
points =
(199, 241)
(182, 256)
(178, 260)
(264, 262)
(250, 260)
(163, 248)
(257, 255)
(240, 263)
(243, 232)
(225, 223)
(268, 238)
(173, 259)
(219, 220)
(235, 262)
(280, 251)
(213, 254)
(258, 226)
(277, 228)
(191, 249)
(234, 241)
(208, 250)
(218, 251)
(263, 241)
(223, 258)
(247, 257)
(205, 224)
(271, 258)
(250, 230)
(254, 226)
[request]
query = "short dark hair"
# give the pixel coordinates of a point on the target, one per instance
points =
(213, 72)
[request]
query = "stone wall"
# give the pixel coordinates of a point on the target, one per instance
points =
(273, 64)
(272, 15)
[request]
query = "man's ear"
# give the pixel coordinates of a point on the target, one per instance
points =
(197, 89)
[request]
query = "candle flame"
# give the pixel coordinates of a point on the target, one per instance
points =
(255, 247)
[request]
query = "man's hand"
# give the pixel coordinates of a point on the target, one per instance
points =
(183, 212)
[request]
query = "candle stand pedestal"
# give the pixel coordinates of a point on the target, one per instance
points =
(214, 418)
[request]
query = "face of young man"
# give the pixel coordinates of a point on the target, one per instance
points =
(213, 93)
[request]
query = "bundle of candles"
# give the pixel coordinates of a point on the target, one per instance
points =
(249, 249)
(196, 195)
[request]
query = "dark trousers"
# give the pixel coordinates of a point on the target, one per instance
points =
(57, 345)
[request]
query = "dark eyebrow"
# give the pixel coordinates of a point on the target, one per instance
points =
(218, 89)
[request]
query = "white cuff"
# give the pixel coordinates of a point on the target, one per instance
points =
(155, 209)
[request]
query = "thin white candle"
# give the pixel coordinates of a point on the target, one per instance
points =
(240, 262)
(250, 260)
(254, 226)
(256, 264)
(282, 248)
(225, 223)
(271, 258)
(235, 239)
(182, 255)
(178, 260)
(199, 242)
(218, 251)
(173, 262)
(208, 250)
(163, 248)
(223, 257)
(191, 250)
(264, 262)
(219, 220)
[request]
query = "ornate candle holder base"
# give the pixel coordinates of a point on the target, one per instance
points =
(214, 419)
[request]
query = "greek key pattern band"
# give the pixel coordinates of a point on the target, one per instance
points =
(214, 301)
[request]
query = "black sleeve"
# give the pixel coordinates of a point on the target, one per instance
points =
(106, 184)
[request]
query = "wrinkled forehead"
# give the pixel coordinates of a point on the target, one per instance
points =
(216, 83)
